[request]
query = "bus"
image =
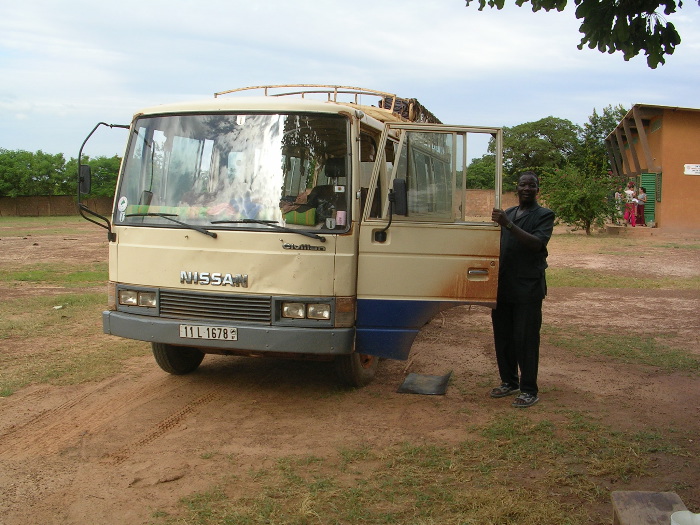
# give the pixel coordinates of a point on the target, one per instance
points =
(301, 221)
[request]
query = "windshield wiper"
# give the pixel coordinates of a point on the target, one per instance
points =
(170, 216)
(273, 224)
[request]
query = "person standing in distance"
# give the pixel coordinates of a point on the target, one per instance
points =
(517, 318)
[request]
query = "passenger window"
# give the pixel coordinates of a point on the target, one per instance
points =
(442, 185)
(426, 163)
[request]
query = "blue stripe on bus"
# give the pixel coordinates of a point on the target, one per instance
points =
(387, 328)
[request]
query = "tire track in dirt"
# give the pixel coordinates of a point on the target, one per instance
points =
(169, 423)
(49, 424)
(89, 411)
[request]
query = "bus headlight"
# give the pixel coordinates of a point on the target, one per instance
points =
(147, 299)
(128, 297)
(294, 310)
(319, 311)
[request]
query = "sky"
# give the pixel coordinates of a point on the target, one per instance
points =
(67, 65)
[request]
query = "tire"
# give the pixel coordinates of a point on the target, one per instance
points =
(177, 360)
(356, 370)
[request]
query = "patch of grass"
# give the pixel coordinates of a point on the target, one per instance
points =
(27, 226)
(679, 246)
(632, 348)
(59, 340)
(614, 244)
(27, 317)
(584, 278)
(68, 364)
(67, 276)
(478, 481)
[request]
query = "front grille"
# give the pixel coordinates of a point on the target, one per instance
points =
(215, 307)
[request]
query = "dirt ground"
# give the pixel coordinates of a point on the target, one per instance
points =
(115, 451)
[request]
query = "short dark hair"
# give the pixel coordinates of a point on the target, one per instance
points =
(643, 189)
(530, 173)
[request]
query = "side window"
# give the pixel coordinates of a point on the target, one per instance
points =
(368, 156)
(387, 169)
(426, 163)
(450, 176)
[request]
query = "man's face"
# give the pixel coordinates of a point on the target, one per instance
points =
(527, 189)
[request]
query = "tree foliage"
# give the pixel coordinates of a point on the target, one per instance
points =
(582, 192)
(23, 173)
(26, 173)
(546, 143)
(480, 173)
(579, 198)
(627, 26)
(591, 153)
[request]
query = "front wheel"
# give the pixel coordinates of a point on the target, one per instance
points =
(177, 360)
(356, 369)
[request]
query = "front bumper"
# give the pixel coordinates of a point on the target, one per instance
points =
(251, 338)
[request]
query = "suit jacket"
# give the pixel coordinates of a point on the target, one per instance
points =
(521, 275)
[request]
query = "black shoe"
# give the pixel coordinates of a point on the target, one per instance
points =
(504, 390)
(525, 400)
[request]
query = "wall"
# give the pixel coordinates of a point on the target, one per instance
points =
(53, 205)
(680, 144)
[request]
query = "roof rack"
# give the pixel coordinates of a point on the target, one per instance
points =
(407, 108)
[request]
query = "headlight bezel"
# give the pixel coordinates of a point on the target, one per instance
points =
(304, 311)
(137, 299)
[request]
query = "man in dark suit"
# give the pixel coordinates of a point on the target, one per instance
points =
(517, 318)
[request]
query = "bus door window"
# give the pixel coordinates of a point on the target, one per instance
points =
(426, 163)
(368, 156)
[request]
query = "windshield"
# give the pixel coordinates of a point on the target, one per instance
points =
(214, 170)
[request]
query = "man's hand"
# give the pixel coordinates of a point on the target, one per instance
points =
(499, 216)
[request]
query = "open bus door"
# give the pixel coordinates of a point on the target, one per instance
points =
(441, 250)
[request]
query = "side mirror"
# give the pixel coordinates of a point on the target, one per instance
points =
(84, 178)
(400, 197)
(398, 204)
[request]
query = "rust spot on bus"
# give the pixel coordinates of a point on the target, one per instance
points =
(474, 283)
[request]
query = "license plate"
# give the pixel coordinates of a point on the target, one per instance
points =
(219, 333)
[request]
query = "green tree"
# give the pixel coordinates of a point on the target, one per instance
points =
(45, 170)
(582, 193)
(26, 173)
(629, 26)
(578, 198)
(547, 143)
(591, 154)
(14, 170)
(480, 173)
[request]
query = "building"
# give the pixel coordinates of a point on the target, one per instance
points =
(658, 147)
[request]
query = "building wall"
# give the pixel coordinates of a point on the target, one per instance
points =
(50, 205)
(680, 145)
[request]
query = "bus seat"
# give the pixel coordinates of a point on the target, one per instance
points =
(335, 167)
